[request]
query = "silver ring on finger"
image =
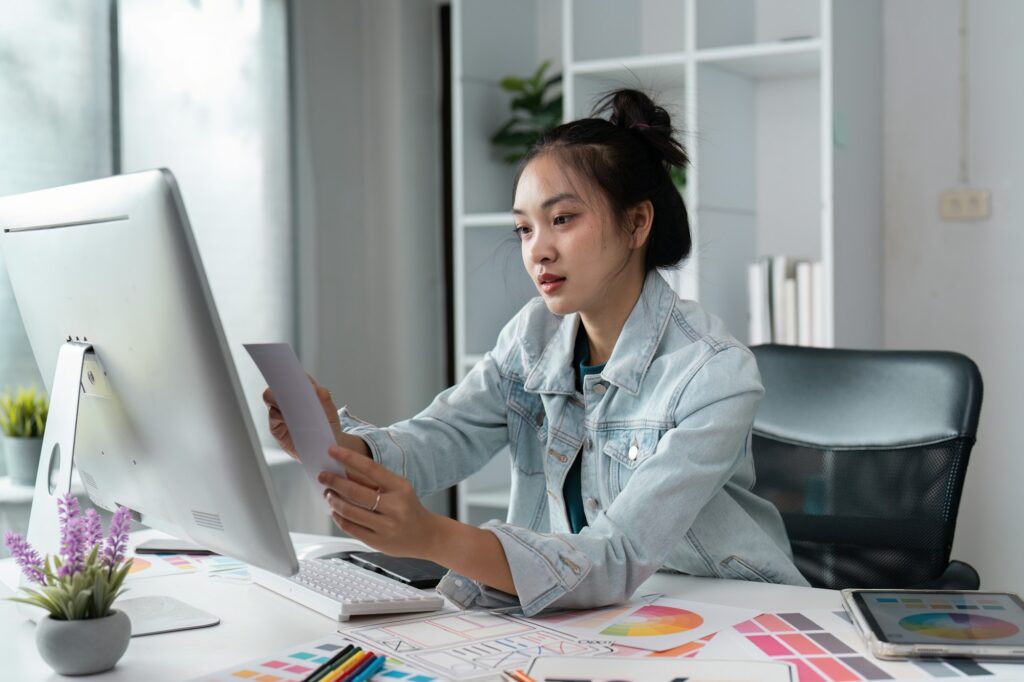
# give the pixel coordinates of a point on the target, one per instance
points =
(376, 502)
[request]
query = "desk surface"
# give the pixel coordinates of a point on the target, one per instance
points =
(255, 622)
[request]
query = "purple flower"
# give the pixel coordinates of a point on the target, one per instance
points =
(93, 528)
(67, 509)
(117, 539)
(27, 557)
(76, 542)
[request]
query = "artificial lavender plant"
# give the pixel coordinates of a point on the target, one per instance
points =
(87, 576)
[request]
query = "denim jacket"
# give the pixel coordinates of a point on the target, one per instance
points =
(664, 433)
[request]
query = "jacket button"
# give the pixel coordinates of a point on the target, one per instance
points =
(600, 389)
(592, 503)
(588, 444)
(633, 452)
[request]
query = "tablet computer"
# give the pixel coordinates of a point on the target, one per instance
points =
(910, 623)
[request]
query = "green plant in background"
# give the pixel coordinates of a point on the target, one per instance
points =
(678, 176)
(23, 415)
(534, 112)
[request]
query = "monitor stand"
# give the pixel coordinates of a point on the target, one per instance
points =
(79, 371)
(56, 461)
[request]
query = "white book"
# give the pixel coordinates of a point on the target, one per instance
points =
(804, 306)
(766, 274)
(759, 327)
(818, 335)
(789, 311)
(781, 269)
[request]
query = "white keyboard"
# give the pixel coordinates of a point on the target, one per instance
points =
(339, 589)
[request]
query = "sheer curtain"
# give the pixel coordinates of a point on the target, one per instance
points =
(204, 92)
(55, 125)
(197, 86)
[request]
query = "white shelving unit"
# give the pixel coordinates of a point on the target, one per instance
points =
(779, 102)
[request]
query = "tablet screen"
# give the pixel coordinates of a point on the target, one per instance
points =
(944, 618)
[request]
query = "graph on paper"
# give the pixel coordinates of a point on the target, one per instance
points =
(470, 645)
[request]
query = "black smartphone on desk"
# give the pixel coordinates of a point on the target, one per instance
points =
(418, 573)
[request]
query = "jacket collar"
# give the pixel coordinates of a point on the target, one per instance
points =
(633, 352)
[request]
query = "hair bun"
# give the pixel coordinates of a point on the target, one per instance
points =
(634, 110)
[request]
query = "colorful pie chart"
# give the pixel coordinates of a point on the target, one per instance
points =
(964, 626)
(651, 620)
(138, 565)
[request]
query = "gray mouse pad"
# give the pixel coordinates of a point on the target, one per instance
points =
(152, 615)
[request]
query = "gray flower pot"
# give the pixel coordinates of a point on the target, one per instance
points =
(22, 456)
(83, 647)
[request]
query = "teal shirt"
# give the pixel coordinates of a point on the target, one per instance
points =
(572, 490)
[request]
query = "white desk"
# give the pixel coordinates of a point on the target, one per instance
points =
(257, 622)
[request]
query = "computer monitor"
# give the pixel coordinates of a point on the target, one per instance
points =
(144, 393)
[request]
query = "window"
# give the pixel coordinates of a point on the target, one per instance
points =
(200, 87)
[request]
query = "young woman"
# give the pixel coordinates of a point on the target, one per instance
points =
(627, 410)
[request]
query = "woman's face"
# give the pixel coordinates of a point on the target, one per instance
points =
(572, 247)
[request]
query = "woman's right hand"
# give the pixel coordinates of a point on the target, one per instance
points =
(279, 429)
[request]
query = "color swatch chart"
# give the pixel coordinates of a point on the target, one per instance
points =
(823, 646)
(296, 663)
(226, 569)
(469, 645)
(153, 565)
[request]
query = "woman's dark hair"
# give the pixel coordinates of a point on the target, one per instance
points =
(628, 156)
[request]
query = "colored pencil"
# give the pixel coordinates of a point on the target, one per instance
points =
(330, 664)
(370, 670)
(341, 671)
(356, 670)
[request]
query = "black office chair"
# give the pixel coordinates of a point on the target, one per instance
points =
(864, 453)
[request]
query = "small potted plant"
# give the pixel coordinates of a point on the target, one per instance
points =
(23, 420)
(81, 634)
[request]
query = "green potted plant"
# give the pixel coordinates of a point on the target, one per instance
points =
(23, 420)
(534, 111)
(81, 633)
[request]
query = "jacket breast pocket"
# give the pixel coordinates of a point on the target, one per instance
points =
(625, 450)
(528, 428)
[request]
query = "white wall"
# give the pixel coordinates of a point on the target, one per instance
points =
(954, 285)
(370, 266)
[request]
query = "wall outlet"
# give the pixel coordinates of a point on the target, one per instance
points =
(964, 204)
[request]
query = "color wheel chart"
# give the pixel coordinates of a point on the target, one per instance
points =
(953, 619)
(958, 626)
(296, 663)
(688, 650)
(655, 623)
(652, 620)
(824, 647)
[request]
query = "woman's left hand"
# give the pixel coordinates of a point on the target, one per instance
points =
(387, 515)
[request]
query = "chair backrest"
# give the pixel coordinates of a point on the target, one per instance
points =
(864, 453)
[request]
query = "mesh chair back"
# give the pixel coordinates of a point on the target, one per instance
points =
(865, 453)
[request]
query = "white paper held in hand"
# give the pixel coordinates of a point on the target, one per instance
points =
(310, 431)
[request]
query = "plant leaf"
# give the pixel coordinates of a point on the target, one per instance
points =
(512, 84)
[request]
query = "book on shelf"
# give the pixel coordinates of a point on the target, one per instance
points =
(786, 297)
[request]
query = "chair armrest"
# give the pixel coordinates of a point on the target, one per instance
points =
(958, 575)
